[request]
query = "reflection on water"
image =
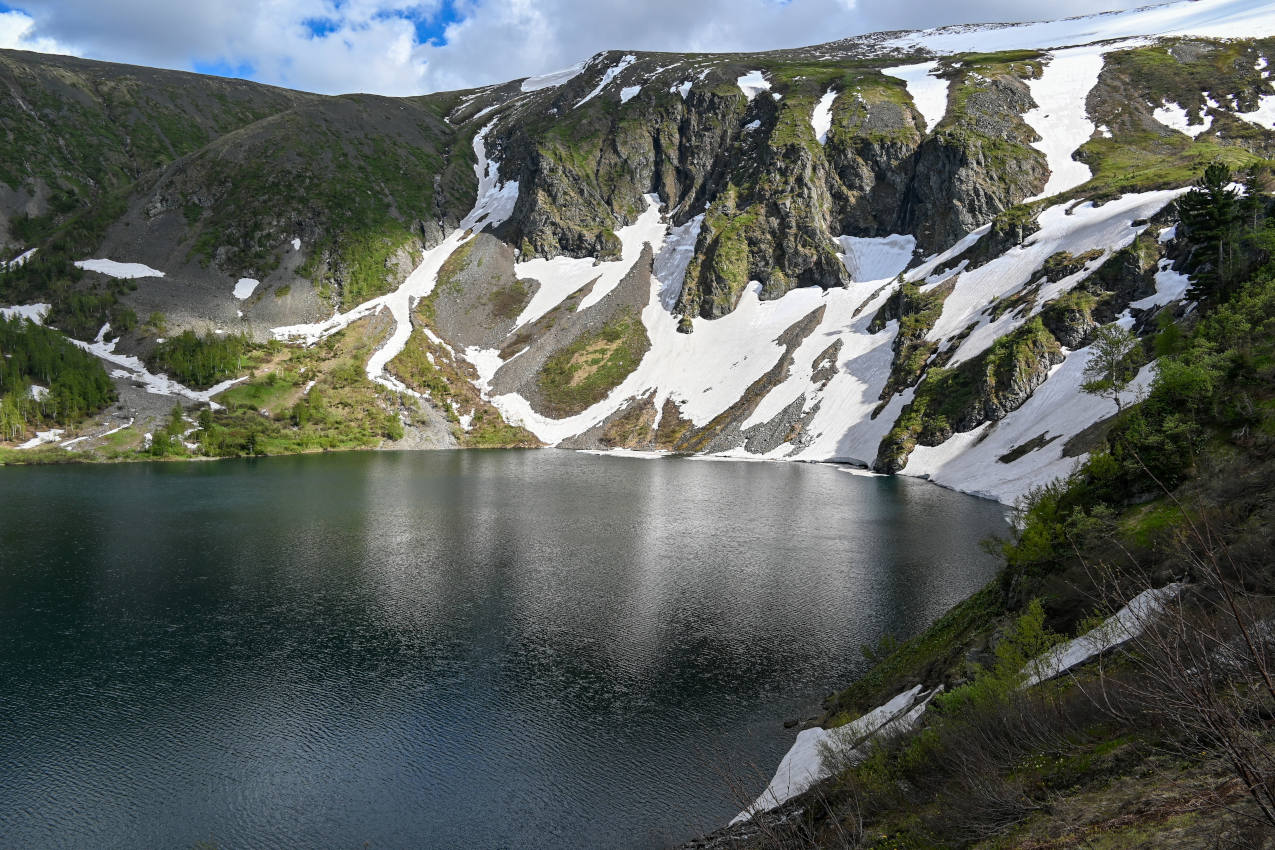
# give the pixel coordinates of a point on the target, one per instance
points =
(483, 649)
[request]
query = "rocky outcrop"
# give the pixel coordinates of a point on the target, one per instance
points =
(986, 388)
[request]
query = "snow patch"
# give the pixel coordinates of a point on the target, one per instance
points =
(296, 244)
(561, 276)
(33, 313)
(20, 260)
(1177, 118)
(673, 259)
(929, 93)
(1264, 115)
(821, 118)
(806, 762)
(628, 93)
(684, 89)
(123, 271)
(1210, 18)
(42, 437)
(610, 74)
(1060, 117)
(245, 287)
(752, 84)
(1123, 626)
(553, 78)
(1170, 286)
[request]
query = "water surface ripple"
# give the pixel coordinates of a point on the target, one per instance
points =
(465, 649)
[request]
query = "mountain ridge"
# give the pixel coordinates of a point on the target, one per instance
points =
(932, 172)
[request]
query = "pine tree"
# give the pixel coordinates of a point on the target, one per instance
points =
(1210, 211)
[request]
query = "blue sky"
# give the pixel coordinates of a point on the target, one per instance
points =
(413, 46)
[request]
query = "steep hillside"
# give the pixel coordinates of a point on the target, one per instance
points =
(890, 250)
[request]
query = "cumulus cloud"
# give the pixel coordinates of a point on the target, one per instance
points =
(17, 32)
(414, 46)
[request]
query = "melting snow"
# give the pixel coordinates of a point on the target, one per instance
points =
(1060, 116)
(804, 764)
(684, 89)
(42, 437)
(124, 271)
(674, 257)
(1170, 286)
(929, 93)
(561, 276)
(33, 313)
(628, 93)
(611, 74)
(296, 244)
(495, 203)
(20, 260)
(1176, 117)
(1264, 115)
(821, 118)
(752, 84)
(1123, 626)
(245, 287)
(553, 78)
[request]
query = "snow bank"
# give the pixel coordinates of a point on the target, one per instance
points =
(1170, 286)
(1125, 625)
(124, 271)
(610, 74)
(494, 204)
(553, 78)
(1060, 116)
(805, 763)
(929, 93)
(628, 93)
(114, 430)
(42, 437)
(753, 83)
(132, 368)
(20, 260)
(33, 313)
(876, 258)
(821, 118)
(245, 287)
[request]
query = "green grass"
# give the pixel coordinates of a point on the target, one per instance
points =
(582, 374)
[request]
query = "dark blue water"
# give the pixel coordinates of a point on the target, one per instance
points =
(465, 649)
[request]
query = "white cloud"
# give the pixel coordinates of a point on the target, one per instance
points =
(17, 32)
(371, 45)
